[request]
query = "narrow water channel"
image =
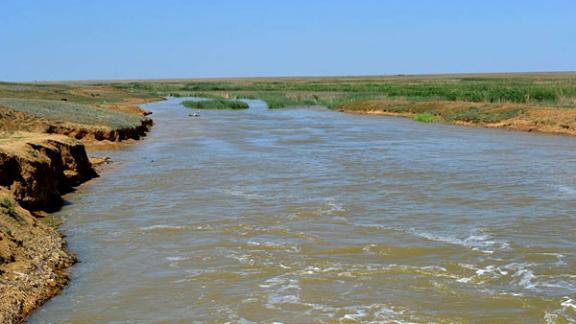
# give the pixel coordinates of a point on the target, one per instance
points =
(303, 215)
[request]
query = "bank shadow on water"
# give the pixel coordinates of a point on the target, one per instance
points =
(294, 215)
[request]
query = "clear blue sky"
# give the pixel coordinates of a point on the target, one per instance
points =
(120, 39)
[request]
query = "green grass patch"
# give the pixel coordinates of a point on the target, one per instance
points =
(276, 100)
(8, 207)
(216, 104)
(477, 115)
(424, 118)
(73, 112)
(332, 92)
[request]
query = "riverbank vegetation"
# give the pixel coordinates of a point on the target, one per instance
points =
(86, 111)
(511, 88)
(216, 104)
(424, 117)
(543, 102)
(64, 111)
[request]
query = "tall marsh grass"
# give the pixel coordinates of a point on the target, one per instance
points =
(216, 104)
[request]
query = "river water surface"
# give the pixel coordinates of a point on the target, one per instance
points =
(309, 215)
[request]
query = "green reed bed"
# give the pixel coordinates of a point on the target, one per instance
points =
(216, 104)
(332, 92)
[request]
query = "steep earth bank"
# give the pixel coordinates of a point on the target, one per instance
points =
(36, 170)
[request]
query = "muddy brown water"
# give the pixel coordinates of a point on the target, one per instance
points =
(308, 215)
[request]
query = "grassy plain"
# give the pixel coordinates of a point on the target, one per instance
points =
(542, 102)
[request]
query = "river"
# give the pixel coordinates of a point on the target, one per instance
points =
(310, 215)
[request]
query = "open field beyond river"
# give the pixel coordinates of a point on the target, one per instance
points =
(533, 102)
(301, 215)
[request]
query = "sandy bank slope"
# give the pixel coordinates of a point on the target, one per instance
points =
(35, 169)
(520, 117)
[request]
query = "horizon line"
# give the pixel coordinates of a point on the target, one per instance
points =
(281, 77)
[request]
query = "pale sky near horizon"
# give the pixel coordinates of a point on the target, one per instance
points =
(105, 39)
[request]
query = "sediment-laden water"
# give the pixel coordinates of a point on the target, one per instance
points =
(303, 215)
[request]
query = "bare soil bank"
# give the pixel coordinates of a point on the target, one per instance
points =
(550, 120)
(11, 121)
(43, 133)
(37, 169)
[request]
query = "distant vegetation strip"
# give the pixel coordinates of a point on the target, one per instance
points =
(216, 104)
(544, 102)
(550, 90)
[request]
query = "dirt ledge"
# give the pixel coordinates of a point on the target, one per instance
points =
(36, 170)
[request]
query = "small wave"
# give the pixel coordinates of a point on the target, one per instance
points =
(525, 278)
(328, 207)
(243, 194)
(162, 227)
(566, 190)
(281, 290)
(559, 258)
(522, 276)
(519, 273)
(268, 245)
(285, 290)
(175, 258)
(565, 314)
(332, 207)
(478, 241)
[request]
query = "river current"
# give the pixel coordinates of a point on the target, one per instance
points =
(309, 215)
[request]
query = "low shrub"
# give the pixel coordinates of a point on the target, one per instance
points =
(424, 117)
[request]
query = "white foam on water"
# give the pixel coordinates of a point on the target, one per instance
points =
(175, 258)
(477, 241)
(333, 207)
(482, 274)
(242, 194)
(340, 220)
(161, 227)
(525, 278)
(565, 314)
(481, 242)
(568, 303)
(565, 191)
(358, 314)
(518, 278)
(560, 258)
(374, 313)
(283, 289)
(273, 245)
(242, 258)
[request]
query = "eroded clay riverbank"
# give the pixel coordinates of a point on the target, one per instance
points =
(35, 170)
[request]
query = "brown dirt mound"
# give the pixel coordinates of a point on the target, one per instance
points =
(37, 169)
